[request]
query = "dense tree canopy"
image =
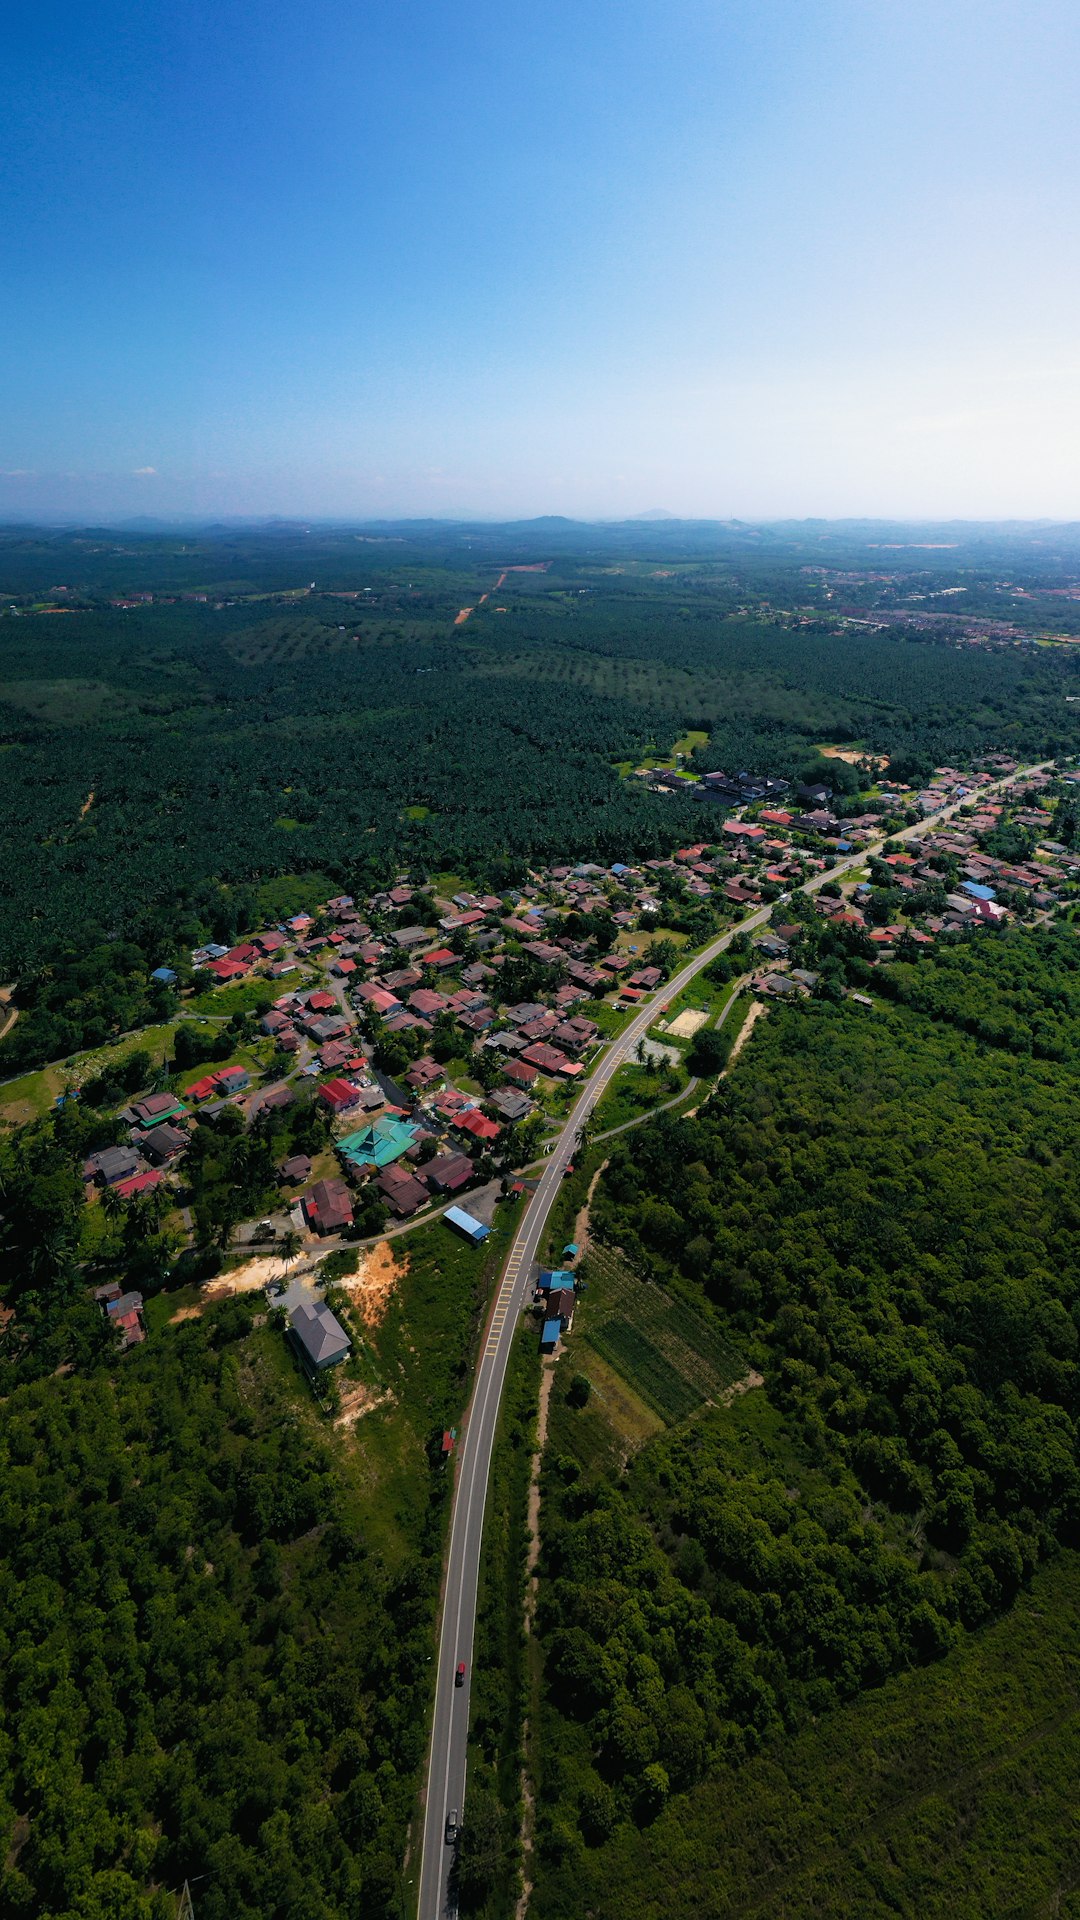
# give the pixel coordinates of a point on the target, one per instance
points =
(884, 1210)
(206, 1671)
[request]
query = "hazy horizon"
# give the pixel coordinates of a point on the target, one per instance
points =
(805, 261)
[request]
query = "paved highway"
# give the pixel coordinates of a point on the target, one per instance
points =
(450, 1727)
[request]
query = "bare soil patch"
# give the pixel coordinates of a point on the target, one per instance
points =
(358, 1399)
(853, 755)
(370, 1288)
(757, 1008)
(247, 1278)
(581, 1224)
(688, 1022)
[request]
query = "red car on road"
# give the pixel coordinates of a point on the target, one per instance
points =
(459, 1676)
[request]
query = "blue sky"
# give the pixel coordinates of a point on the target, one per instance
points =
(751, 257)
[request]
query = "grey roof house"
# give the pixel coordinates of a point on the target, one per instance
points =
(319, 1338)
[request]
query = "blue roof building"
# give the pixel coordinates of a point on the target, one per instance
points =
(165, 975)
(549, 1339)
(977, 890)
(473, 1230)
(379, 1144)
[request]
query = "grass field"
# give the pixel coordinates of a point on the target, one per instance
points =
(32, 1095)
(672, 1357)
(635, 1091)
(250, 996)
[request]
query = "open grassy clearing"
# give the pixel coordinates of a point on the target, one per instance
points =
(249, 996)
(635, 1091)
(32, 1094)
(701, 996)
(636, 941)
(602, 1435)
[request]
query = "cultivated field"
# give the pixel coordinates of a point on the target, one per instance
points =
(672, 1356)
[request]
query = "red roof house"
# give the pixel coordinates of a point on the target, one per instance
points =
(327, 1207)
(339, 1096)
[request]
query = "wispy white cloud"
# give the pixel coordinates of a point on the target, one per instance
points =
(141, 470)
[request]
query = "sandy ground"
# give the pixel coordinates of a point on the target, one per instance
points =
(370, 1288)
(688, 1022)
(248, 1278)
(853, 755)
(757, 1008)
(251, 1277)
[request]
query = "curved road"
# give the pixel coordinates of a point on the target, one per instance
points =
(450, 1726)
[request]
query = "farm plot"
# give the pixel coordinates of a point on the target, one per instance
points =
(672, 1356)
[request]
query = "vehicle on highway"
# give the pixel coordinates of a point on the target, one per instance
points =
(452, 1827)
(567, 1170)
(459, 1674)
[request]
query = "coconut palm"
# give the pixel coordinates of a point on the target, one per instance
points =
(290, 1248)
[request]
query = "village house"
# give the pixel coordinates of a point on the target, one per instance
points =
(327, 1208)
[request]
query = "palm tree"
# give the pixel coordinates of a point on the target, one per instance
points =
(112, 1203)
(291, 1247)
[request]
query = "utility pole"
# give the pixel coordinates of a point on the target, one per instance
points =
(186, 1908)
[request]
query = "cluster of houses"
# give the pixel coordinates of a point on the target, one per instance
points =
(156, 1138)
(952, 862)
(430, 972)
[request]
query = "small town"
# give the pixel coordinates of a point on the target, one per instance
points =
(414, 1055)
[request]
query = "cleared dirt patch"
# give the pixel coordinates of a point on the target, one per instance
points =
(356, 1400)
(853, 755)
(370, 1288)
(460, 619)
(757, 1008)
(581, 1224)
(688, 1022)
(247, 1278)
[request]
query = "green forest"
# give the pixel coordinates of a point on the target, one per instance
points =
(160, 757)
(216, 1608)
(880, 1209)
